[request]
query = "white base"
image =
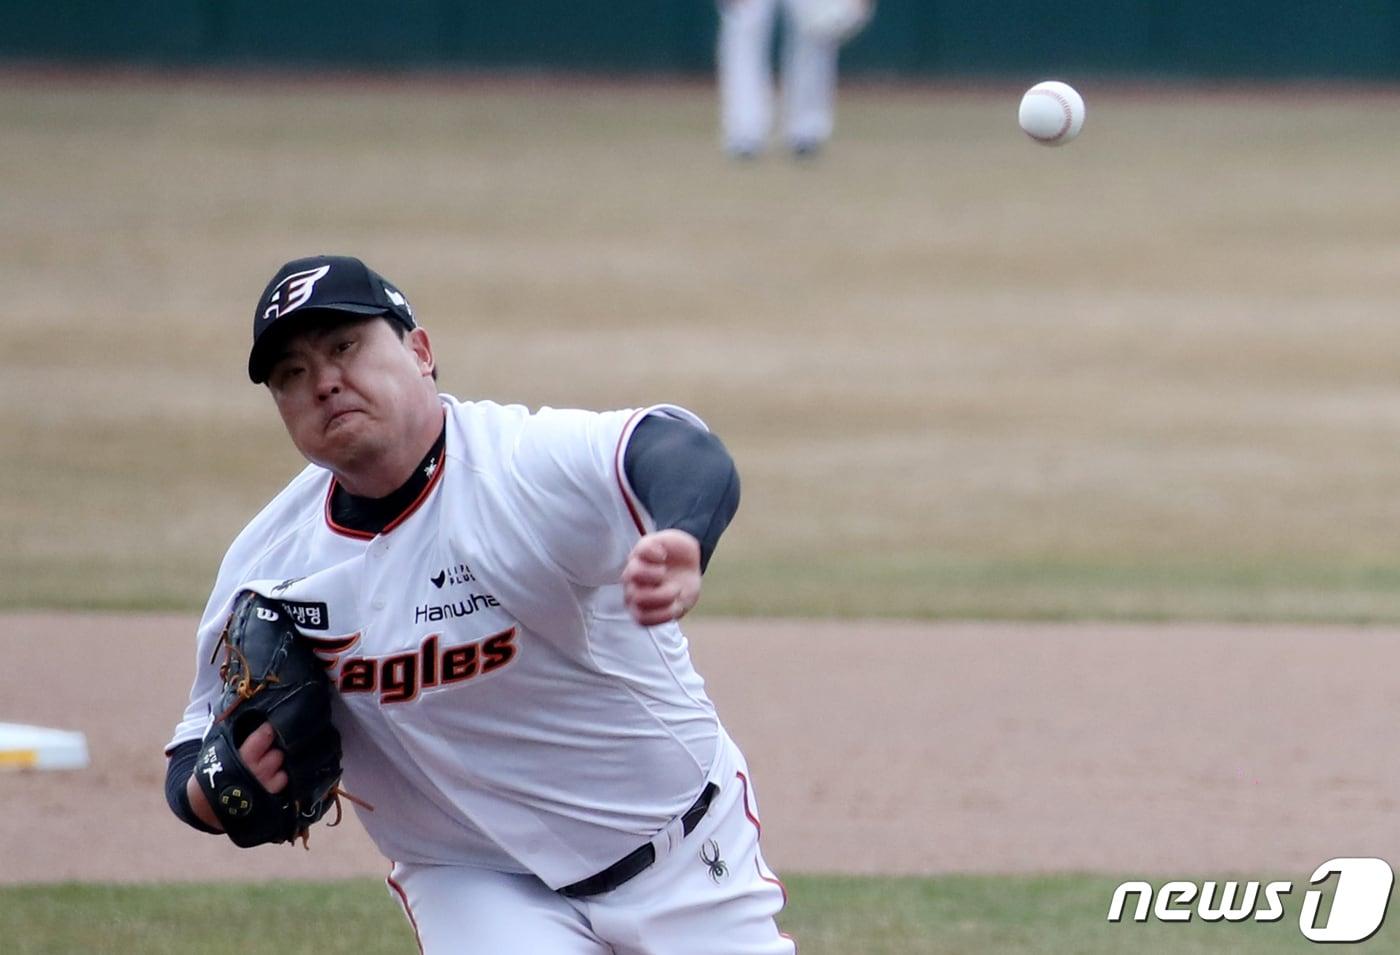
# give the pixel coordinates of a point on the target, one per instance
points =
(35, 747)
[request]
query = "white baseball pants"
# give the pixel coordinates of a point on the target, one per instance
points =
(712, 893)
(746, 77)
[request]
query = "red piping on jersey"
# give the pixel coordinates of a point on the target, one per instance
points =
(407, 511)
(407, 909)
(747, 811)
(758, 830)
(621, 484)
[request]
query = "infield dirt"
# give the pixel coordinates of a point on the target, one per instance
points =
(877, 747)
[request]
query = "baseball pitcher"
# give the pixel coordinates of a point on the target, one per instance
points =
(464, 616)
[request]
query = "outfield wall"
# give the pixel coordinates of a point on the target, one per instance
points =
(1304, 39)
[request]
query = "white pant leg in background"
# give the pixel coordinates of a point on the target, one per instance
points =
(809, 83)
(745, 73)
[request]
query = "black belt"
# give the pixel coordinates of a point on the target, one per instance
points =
(634, 862)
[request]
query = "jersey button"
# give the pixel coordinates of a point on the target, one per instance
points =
(378, 603)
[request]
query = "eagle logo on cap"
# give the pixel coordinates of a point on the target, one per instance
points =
(397, 298)
(293, 292)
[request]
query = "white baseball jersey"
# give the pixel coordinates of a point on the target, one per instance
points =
(498, 705)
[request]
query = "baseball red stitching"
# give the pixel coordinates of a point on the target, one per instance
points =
(1069, 117)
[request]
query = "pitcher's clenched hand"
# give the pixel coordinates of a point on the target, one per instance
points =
(661, 580)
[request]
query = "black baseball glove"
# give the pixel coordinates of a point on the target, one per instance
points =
(270, 676)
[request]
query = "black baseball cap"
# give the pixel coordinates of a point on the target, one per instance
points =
(319, 287)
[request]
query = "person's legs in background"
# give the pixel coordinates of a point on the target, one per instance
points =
(809, 85)
(745, 74)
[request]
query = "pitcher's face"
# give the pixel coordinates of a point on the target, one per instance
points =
(348, 392)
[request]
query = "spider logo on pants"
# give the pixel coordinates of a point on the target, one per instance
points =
(709, 854)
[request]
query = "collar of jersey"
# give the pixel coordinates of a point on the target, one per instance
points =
(364, 518)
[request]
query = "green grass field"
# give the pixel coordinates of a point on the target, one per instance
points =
(1149, 375)
(827, 916)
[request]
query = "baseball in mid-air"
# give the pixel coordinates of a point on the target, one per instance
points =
(1052, 113)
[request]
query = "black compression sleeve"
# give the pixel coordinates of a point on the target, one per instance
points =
(684, 477)
(177, 773)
